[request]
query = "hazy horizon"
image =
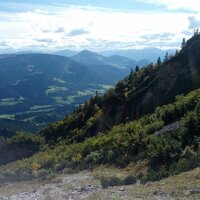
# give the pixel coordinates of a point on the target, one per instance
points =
(96, 25)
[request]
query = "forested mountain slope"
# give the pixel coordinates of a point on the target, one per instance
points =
(129, 124)
(137, 94)
(37, 89)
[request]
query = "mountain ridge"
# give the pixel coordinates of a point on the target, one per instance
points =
(148, 119)
(141, 92)
(34, 84)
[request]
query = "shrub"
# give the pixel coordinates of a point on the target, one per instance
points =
(129, 180)
(155, 126)
(116, 181)
(59, 166)
(43, 173)
(154, 175)
(94, 157)
(110, 181)
(2, 179)
(104, 182)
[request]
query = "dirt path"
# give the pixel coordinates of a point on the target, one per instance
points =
(72, 187)
(84, 185)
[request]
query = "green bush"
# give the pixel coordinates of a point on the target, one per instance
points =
(94, 157)
(43, 174)
(163, 150)
(104, 182)
(154, 175)
(116, 181)
(59, 166)
(110, 181)
(129, 180)
(2, 179)
(152, 127)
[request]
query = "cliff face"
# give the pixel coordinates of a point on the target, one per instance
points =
(178, 75)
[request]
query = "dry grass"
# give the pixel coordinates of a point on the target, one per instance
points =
(132, 169)
(185, 186)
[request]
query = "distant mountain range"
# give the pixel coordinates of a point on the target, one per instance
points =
(150, 54)
(40, 88)
(65, 52)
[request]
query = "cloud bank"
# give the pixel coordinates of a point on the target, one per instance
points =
(79, 27)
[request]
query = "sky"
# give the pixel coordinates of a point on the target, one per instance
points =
(98, 25)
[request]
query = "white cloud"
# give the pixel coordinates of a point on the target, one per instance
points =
(60, 30)
(76, 32)
(193, 22)
(95, 28)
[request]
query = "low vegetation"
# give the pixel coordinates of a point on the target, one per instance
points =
(167, 154)
(120, 128)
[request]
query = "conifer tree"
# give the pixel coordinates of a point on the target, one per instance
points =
(183, 43)
(137, 68)
(159, 61)
(166, 57)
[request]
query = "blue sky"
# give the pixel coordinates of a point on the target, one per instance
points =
(96, 24)
(112, 4)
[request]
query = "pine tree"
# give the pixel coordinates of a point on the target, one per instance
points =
(183, 43)
(131, 72)
(166, 57)
(159, 61)
(137, 68)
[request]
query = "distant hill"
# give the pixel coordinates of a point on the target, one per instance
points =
(150, 54)
(37, 89)
(147, 54)
(118, 66)
(127, 62)
(65, 52)
(35, 86)
(90, 58)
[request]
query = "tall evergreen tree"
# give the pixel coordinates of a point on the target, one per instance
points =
(166, 57)
(159, 61)
(183, 43)
(137, 68)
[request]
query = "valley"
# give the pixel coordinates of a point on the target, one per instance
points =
(37, 89)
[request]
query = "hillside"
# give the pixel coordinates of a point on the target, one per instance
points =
(35, 86)
(136, 95)
(101, 131)
(127, 62)
(117, 66)
(37, 89)
(162, 151)
(150, 54)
